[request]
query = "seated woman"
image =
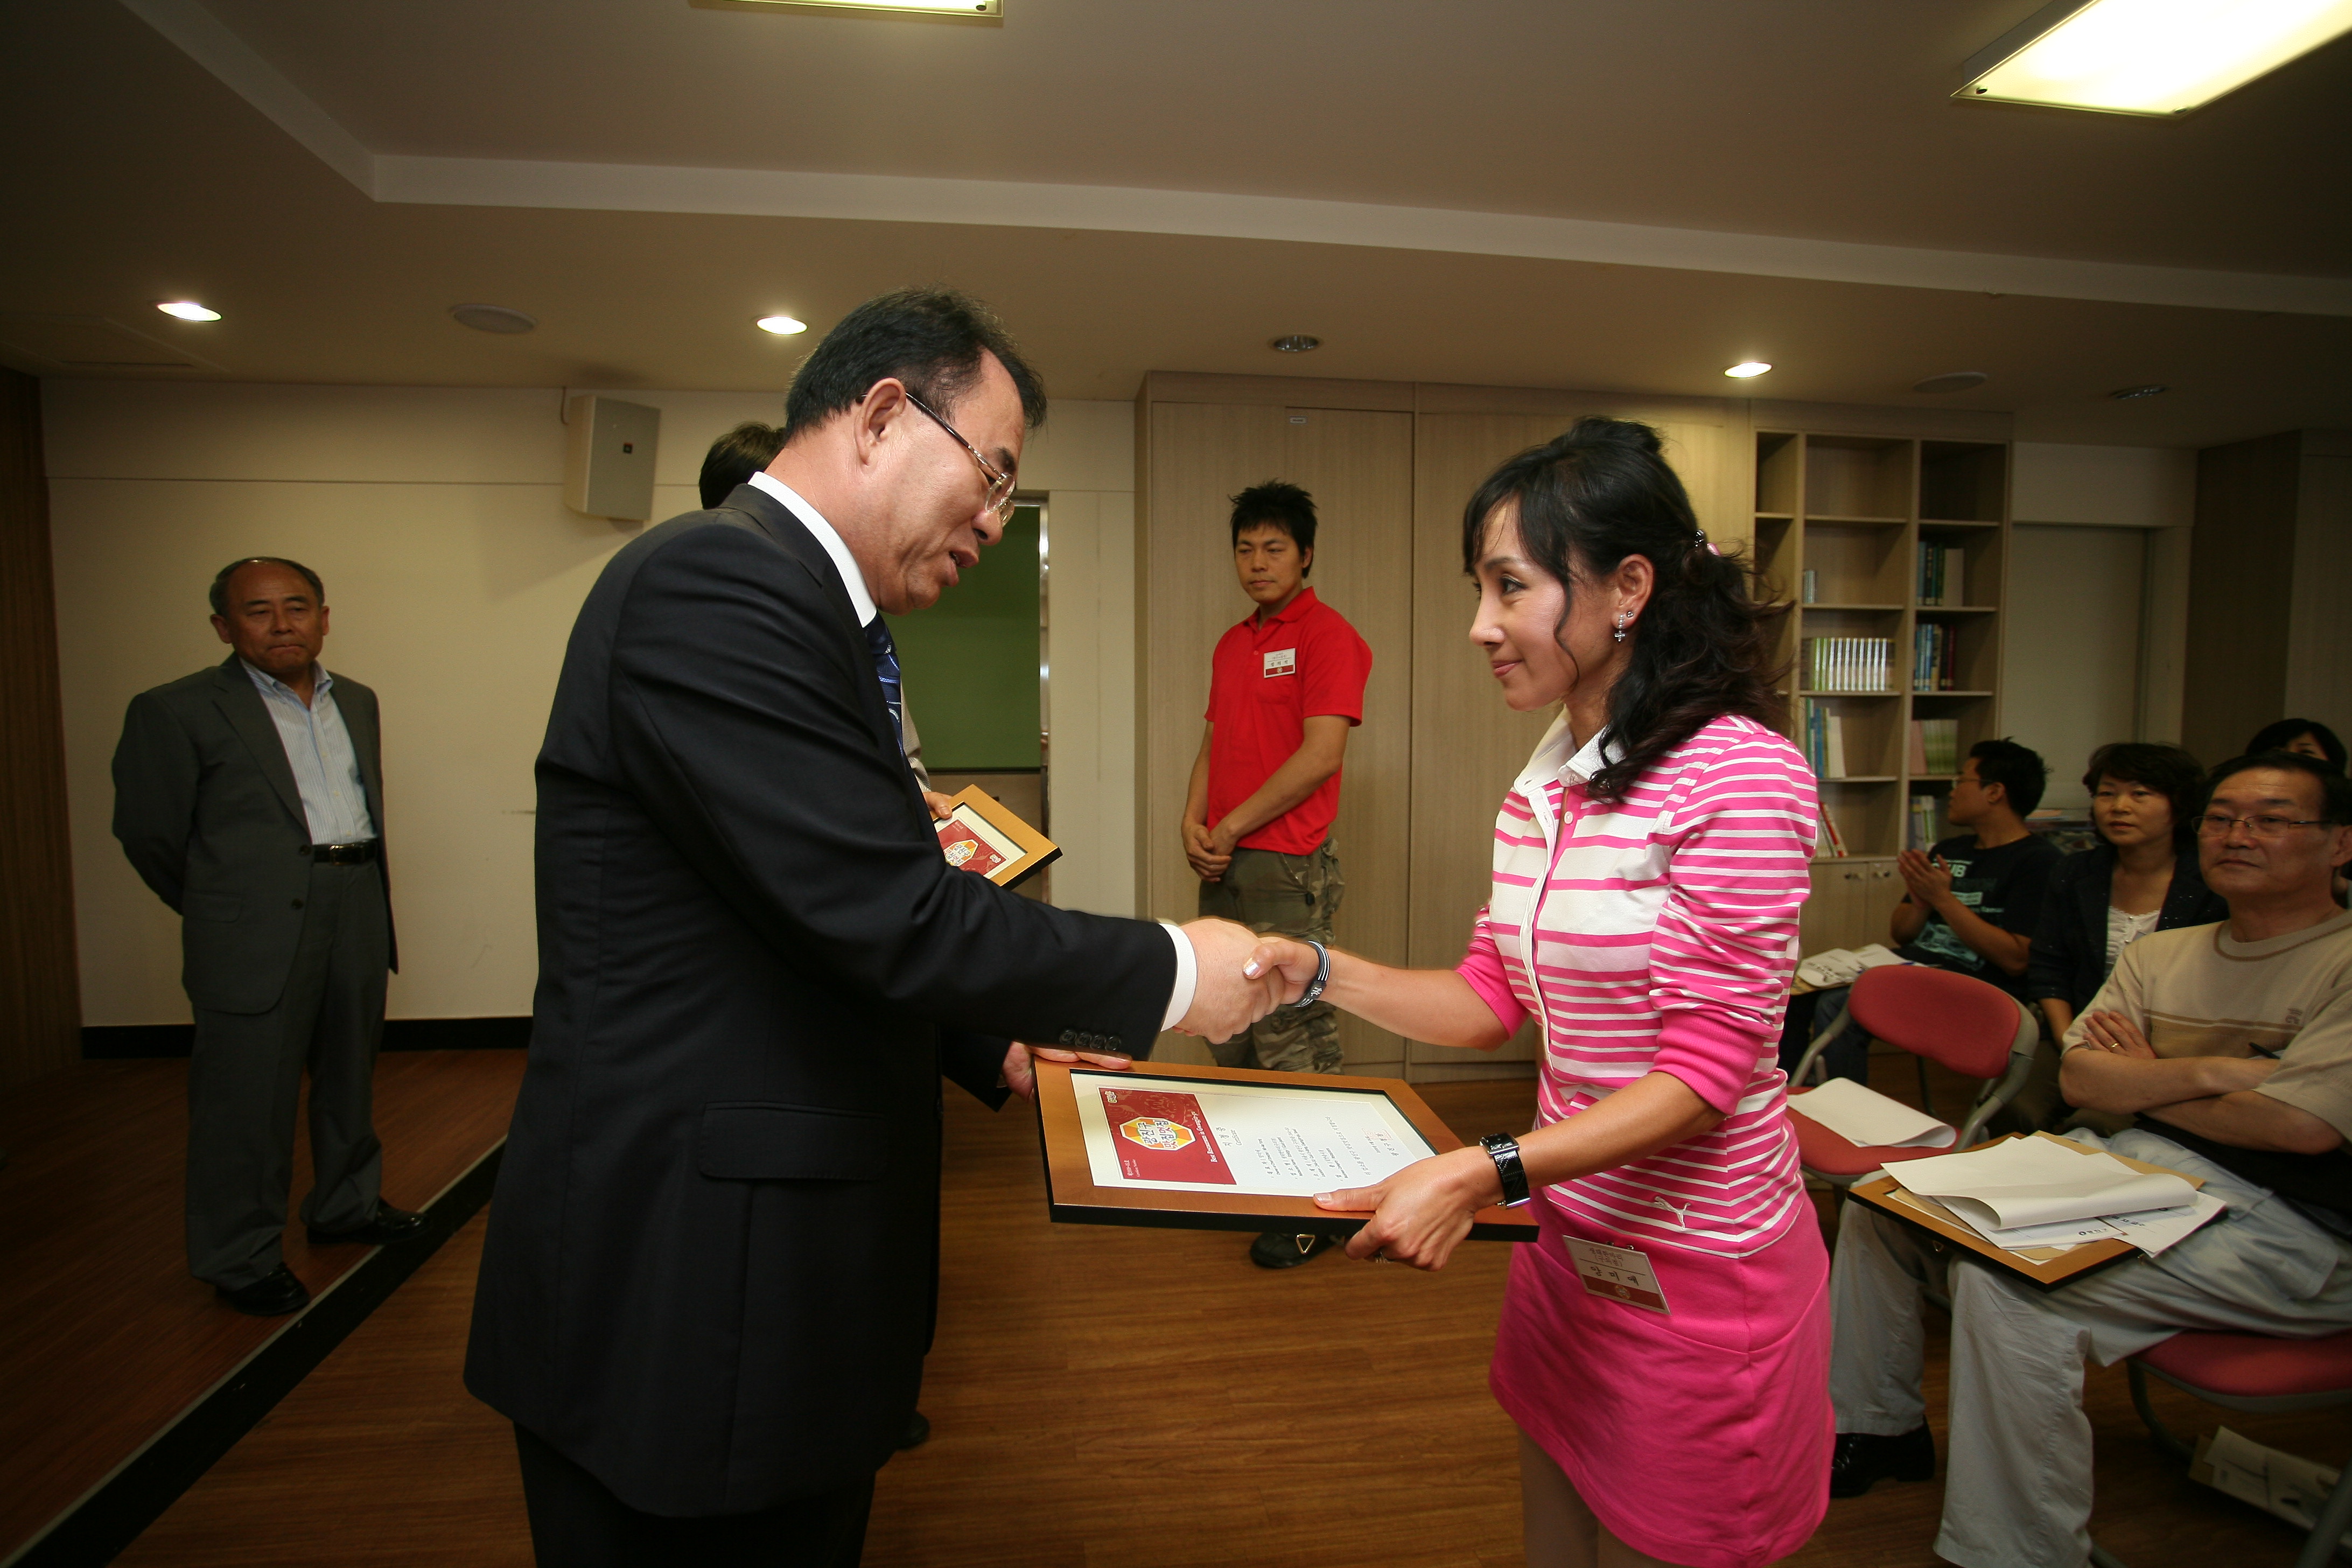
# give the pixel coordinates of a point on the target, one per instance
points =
(2307, 736)
(2140, 876)
(1648, 867)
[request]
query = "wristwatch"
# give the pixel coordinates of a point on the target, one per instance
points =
(1314, 992)
(1504, 1149)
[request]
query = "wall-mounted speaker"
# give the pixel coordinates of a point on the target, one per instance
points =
(608, 457)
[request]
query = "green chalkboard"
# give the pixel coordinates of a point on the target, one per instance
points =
(970, 661)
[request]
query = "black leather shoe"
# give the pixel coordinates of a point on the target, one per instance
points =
(1863, 1459)
(389, 1228)
(271, 1296)
(917, 1433)
(1282, 1249)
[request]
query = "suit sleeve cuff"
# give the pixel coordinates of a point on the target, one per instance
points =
(1187, 976)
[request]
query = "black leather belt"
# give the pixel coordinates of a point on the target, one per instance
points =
(343, 854)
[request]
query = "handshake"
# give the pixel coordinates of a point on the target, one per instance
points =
(1243, 978)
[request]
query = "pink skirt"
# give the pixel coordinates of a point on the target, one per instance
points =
(1702, 1436)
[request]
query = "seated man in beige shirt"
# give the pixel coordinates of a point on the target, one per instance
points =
(2233, 1043)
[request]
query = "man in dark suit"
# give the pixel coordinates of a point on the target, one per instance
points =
(250, 798)
(711, 1269)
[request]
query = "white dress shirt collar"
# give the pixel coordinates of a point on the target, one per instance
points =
(844, 561)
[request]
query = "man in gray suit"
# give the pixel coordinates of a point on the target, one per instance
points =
(250, 798)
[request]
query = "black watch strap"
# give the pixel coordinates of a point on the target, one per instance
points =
(1504, 1149)
(1314, 992)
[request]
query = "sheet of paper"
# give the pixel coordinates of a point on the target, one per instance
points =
(1264, 1140)
(1861, 1115)
(2153, 1232)
(2033, 1182)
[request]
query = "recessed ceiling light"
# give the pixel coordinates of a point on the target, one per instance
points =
(2126, 393)
(1952, 381)
(782, 326)
(2147, 57)
(188, 310)
(1296, 343)
(1746, 368)
(492, 319)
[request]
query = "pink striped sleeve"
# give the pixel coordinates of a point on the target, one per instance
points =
(1482, 966)
(1724, 944)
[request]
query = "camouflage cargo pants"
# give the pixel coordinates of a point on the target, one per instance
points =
(1290, 895)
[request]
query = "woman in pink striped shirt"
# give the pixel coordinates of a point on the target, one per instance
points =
(1664, 1346)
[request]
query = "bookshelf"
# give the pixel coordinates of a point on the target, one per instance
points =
(1840, 523)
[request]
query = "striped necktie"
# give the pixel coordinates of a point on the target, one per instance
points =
(886, 668)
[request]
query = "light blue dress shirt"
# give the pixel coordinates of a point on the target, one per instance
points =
(318, 749)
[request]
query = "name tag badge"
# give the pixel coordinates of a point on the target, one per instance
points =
(1282, 661)
(1620, 1273)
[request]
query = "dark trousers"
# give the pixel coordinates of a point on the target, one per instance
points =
(244, 1080)
(577, 1522)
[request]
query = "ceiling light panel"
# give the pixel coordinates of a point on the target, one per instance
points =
(2149, 56)
(990, 10)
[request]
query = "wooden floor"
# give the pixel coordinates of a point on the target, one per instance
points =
(104, 1338)
(1107, 1396)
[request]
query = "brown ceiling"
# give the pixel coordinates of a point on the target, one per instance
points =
(142, 177)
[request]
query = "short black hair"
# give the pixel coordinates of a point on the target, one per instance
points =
(2019, 770)
(1285, 506)
(2168, 770)
(735, 456)
(2278, 737)
(2334, 789)
(932, 340)
(221, 577)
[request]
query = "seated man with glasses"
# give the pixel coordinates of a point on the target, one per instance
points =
(2233, 1043)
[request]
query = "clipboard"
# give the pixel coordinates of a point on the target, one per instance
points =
(2047, 1267)
(983, 835)
(1074, 1198)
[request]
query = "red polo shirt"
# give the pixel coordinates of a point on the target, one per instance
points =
(1264, 682)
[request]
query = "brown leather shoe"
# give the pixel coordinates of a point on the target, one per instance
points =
(272, 1296)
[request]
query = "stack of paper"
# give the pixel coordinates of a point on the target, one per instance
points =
(1861, 1115)
(2030, 1193)
(1843, 967)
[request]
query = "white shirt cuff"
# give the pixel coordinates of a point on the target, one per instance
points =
(1187, 976)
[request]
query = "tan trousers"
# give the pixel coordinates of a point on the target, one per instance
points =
(1560, 1531)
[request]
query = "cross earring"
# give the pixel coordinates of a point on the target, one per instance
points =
(1623, 620)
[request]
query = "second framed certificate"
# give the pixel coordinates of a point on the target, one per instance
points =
(1205, 1148)
(980, 835)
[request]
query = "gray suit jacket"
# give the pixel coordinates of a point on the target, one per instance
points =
(207, 808)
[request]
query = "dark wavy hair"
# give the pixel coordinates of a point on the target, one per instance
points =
(1703, 646)
(2278, 737)
(2168, 770)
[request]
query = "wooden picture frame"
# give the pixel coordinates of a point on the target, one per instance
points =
(2047, 1267)
(982, 827)
(1072, 1196)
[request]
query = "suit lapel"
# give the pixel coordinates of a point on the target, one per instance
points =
(357, 705)
(792, 537)
(234, 694)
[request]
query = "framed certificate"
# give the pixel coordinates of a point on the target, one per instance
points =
(979, 834)
(1207, 1148)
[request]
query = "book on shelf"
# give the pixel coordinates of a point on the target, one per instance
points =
(1933, 658)
(1925, 817)
(1847, 664)
(1943, 571)
(1935, 746)
(1823, 741)
(1830, 843)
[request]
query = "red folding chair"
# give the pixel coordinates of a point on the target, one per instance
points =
(1975, 1029)
(2257, 1373)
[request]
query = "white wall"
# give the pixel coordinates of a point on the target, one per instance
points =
(2152, 489)
(454, 570)
(2071, 660)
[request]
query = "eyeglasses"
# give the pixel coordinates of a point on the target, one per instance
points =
(2213, 825)
(1000, 483)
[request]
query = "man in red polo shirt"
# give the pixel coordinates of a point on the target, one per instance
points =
(1284, 688)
